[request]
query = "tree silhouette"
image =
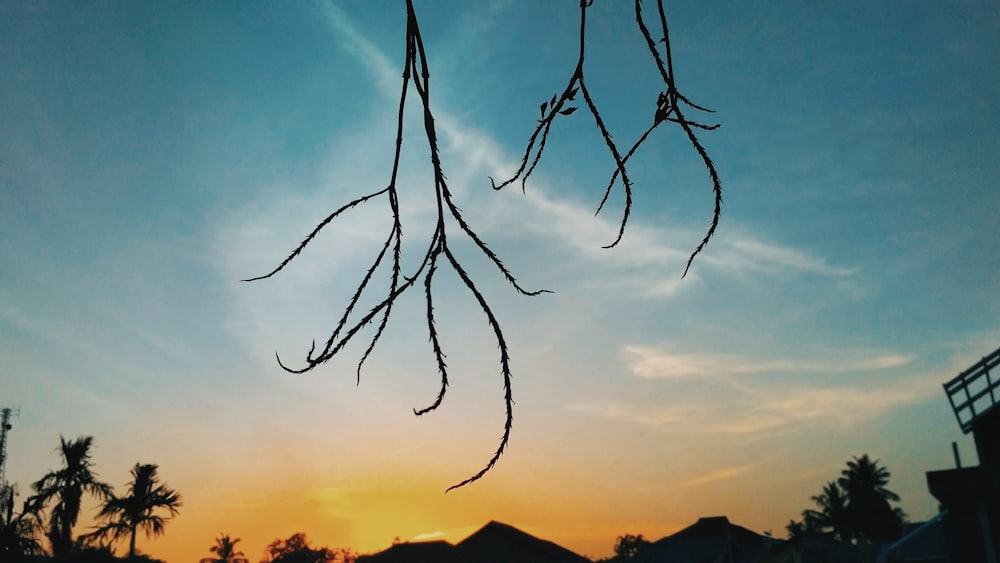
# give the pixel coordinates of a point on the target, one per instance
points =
(225, 551)
(832, 518)
(799, 529)
(855, 508)
(296, 549)
(67, 486)
(18, 532)
(628, 545)
(125, 515)
(868, 510)
(669, 108)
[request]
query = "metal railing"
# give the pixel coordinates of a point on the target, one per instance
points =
(974, 391)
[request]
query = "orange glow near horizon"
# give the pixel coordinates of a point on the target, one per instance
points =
(366, 515)
(384, 491)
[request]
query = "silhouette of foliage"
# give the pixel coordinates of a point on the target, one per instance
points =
(67, 486)
(225, 551)
(626, 547)
(91, 554)
(450, 220)
(668, 109)
(855, 508)
(830, 521)
(296, 549)
(18, 532)
(125, 515)
(871, 517)
(97, 554)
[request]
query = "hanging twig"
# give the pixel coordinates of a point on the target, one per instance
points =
(666, 110)
(415, 71)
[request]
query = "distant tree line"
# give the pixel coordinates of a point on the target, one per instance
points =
(295, 549)
(854, 509)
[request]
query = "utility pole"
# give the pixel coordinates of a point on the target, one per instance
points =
(6, 491)
(5, 425)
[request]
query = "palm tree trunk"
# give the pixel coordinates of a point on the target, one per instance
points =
(62, 539)
(131, 544)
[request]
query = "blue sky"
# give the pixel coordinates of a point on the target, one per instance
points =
(152, 155)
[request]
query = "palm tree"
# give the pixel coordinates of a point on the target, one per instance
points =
(798, 529)
(225, 551)
(67, 486)
(125, 515)
(864, 476)
(17, 532)
(832, 516)
(868, 511)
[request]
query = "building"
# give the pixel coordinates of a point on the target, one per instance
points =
(970, 496)
(493, 543)
(710, 540)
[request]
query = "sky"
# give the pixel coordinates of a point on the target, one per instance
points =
(152, 155)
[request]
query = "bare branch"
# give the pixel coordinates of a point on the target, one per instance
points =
(667, 110)
(416, 71)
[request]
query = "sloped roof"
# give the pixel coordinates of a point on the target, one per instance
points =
(417, 552)
(707, 540)
(501, 543)
(922, 541)
(817, 549)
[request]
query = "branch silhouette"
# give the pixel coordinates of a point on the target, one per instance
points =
(667, 110)
(415, 72)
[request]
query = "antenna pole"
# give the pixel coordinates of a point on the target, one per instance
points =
(5, 425)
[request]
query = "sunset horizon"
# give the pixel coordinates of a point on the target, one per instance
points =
(153, 156)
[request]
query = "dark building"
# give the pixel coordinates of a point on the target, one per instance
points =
(709, 539)
(500, 543)
(970, 496)
(417, 552)
(493, 543)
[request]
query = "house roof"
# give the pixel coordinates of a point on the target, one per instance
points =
(707, 540)
(493, 543)
(501, 543)
(416, 552)
(922, 541)
(816, 549)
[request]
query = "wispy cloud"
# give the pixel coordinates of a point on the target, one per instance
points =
(385, 73)
(767, 407)
(737, 251)
(662, 417)
(848, 406)
(716, 476)
(651, 363)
